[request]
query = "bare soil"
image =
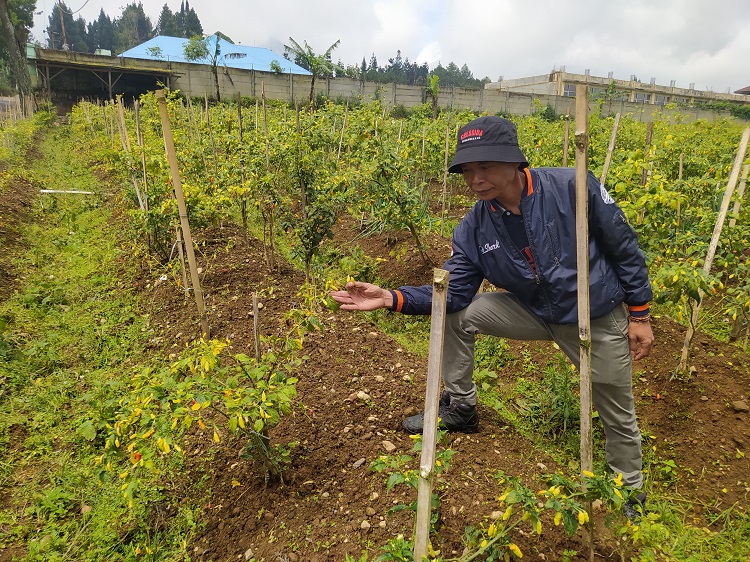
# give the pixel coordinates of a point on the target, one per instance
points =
(331, 504)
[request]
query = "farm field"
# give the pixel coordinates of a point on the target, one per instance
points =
(125, 438)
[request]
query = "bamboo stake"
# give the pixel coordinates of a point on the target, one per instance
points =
(445, 176)
(141, 144)
(679, 177)
(185, 224)
(181, 253)
(122, 128)
(740, 195)
(270, 245)
(731, 184)
(211, 138)
(343, 127)
(646, 150)
(256, 324)
(566, 141)
(610, 149)
(243, 199)
(440, 280)
(584, 313)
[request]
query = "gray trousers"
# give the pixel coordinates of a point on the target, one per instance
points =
(501, 314)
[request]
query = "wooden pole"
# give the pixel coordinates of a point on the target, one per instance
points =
(243, 199)
(445, 175)
(740, 195)
(610, 150)
(343, 127)
(584, 314)
(256, 324)
(429, 433)
(566, 141)
(731, 184)
(141, 144)
(181, 253)
(211, 138)
(184, 223)
(646, 150)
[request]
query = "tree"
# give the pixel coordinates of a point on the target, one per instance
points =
(101, 33)
(167, 23)
(208, 50)
(66, 33)
(191, 25)
(132, 28)
(318, 65)
(16, 19)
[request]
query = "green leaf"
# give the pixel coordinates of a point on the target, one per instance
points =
(87, 430)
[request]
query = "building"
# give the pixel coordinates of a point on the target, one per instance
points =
(231, 55)
(561, 83)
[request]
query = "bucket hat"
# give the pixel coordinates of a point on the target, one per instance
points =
(487, 139)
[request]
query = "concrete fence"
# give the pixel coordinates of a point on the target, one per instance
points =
(197, 81)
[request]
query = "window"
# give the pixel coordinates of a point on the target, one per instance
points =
(642, 97)
(569, 90)
(660, 99)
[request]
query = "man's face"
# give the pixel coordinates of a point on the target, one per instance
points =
(491, 180)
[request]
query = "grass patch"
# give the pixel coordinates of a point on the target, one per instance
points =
(71, 335)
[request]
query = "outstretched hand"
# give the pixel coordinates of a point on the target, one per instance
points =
(362, 296)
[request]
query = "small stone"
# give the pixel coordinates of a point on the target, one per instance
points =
(85, 509)
(359, 463)
(293, 557)
(740, 406)
(495, 515)
(249, 554)
(381, 524)
(370, 512)
(388, 446)
(406, 378)
(325, 495)
(364, 525)
(379, 378)
(704, 398)
(374, 496)
(541, 466)
(362, 395)
(596, 505)
(372, 335)
(268, 516)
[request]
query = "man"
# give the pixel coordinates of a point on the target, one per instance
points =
(520, 235)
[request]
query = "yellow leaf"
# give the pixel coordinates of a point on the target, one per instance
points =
(235, 483)
(507, 513)
(216, 436)
(513, 547)
(558, 518)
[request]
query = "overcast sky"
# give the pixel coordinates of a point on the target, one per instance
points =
(706, 42)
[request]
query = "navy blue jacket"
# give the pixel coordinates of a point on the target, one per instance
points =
(482, 249)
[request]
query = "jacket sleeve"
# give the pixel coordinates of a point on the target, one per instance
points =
(619, 243)
(463, 282)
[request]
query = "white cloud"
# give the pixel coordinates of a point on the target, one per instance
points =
(684, 40)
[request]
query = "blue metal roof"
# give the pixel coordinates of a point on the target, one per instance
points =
(249, 58)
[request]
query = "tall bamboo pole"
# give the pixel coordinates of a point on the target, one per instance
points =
(184, 223)
(740, 195)
(610, 150)
(566, 141)
(440, 280)
(731, 184)
(584, 312)
(445, 175)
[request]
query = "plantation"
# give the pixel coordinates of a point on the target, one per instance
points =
(276, 436)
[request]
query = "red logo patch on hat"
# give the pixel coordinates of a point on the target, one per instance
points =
(471, 134)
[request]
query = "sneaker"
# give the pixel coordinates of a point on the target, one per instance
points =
(635, 507)
(454, 416)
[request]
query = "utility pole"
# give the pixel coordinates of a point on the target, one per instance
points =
(65, 46)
